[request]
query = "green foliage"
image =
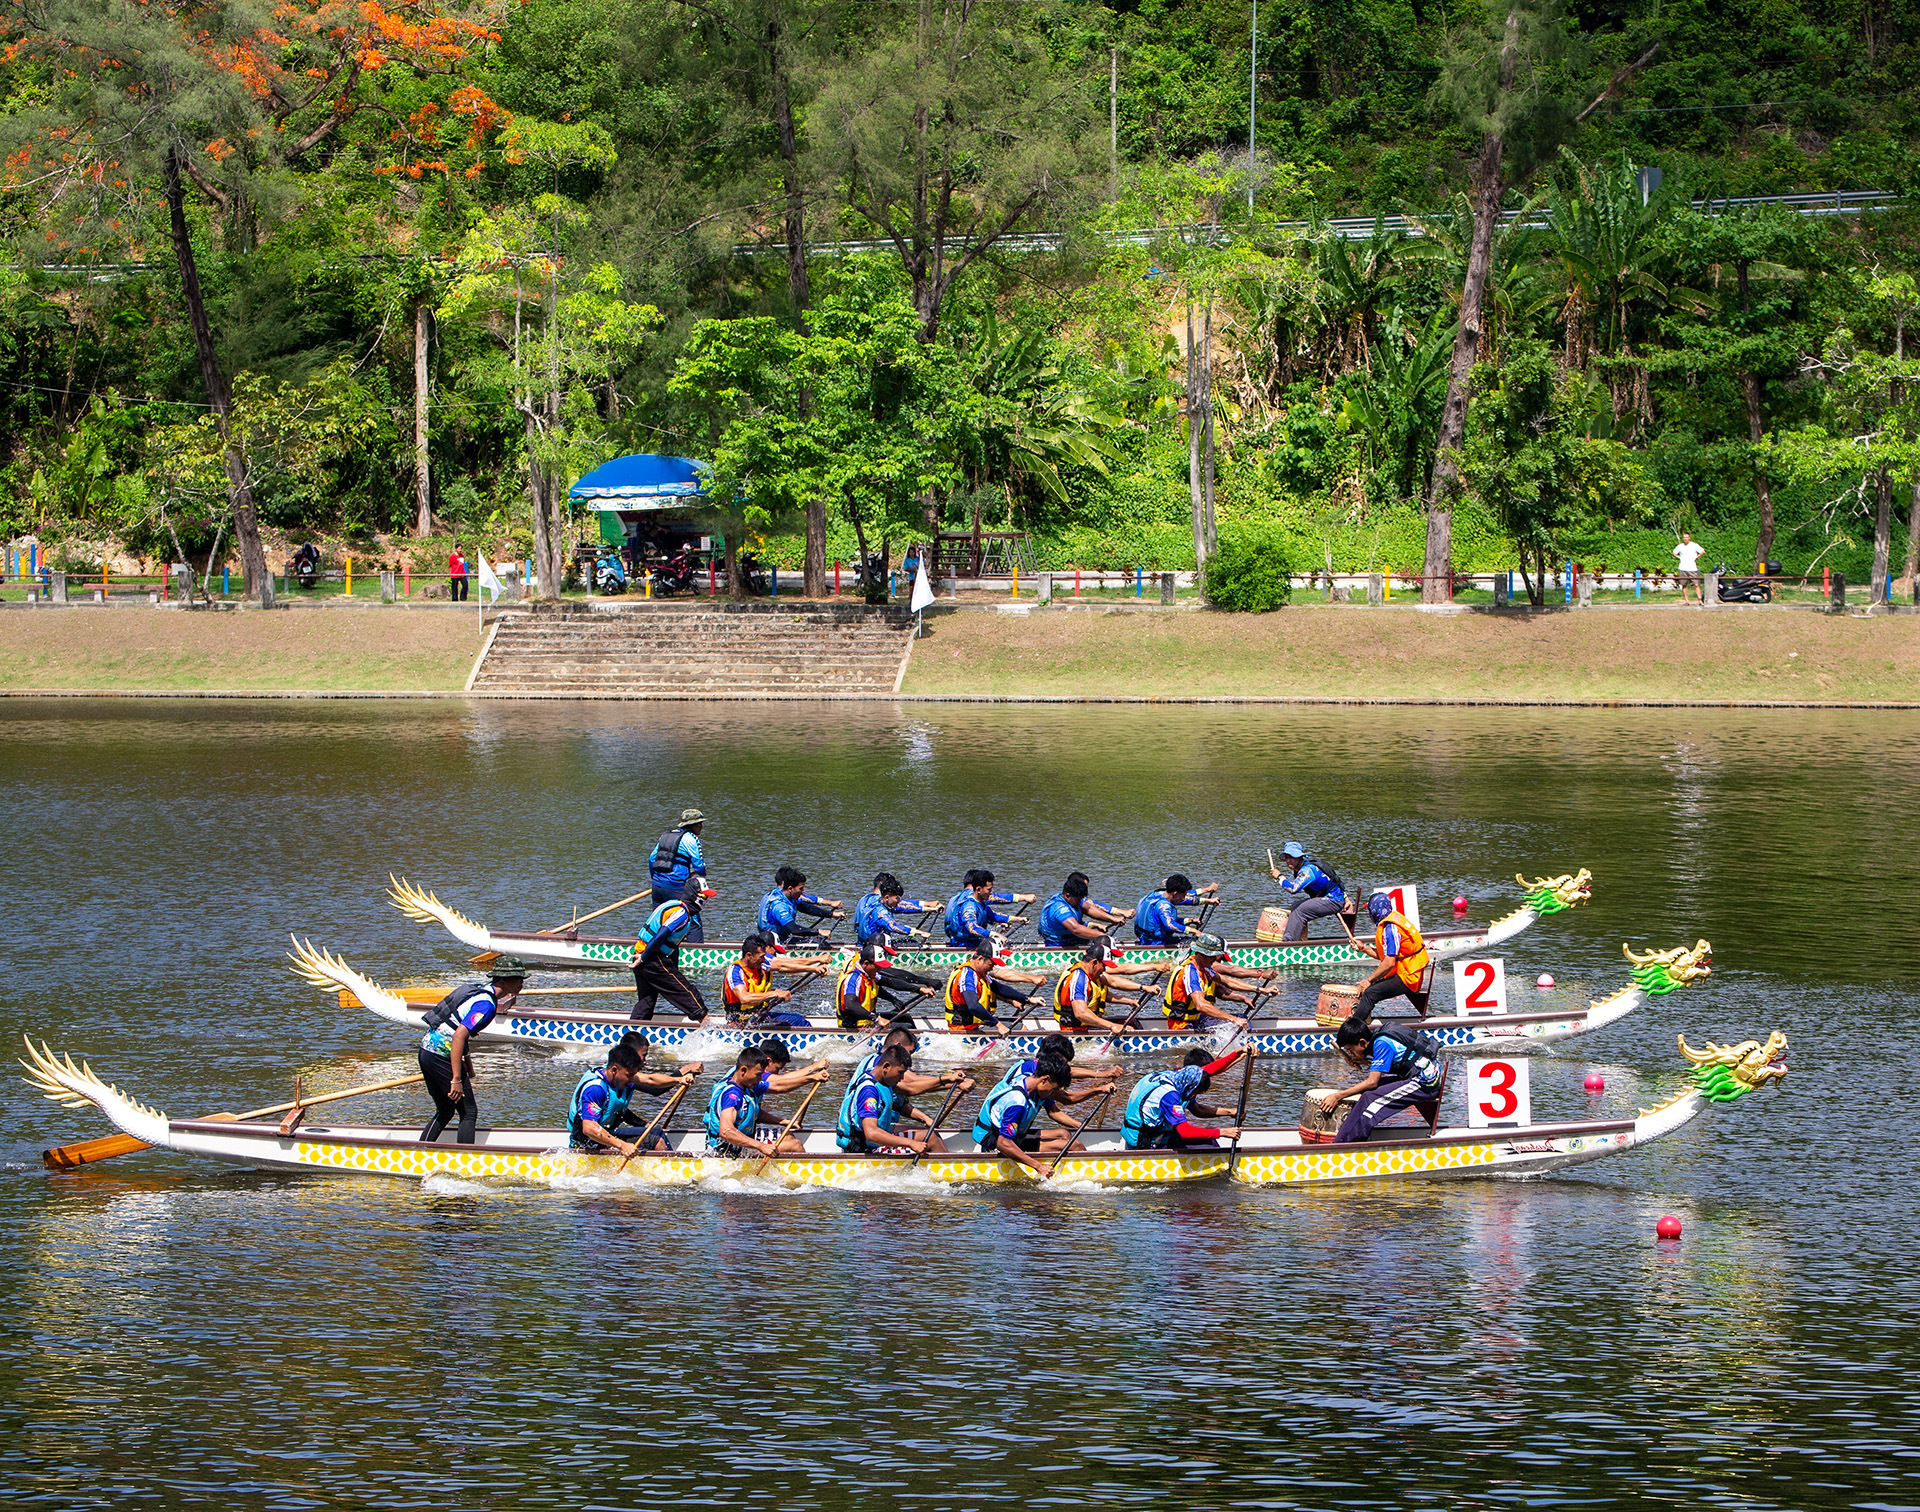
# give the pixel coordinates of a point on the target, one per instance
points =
(1249, 575)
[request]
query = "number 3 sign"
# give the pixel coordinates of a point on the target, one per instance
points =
(1480, 986)
(1499, 1095)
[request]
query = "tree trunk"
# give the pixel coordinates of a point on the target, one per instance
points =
(1762, 485)
(1913, 535)
(537, 487)
(246, 519)
(793, 223)
(1436, 576)
(1199, 451)
(422, 478)
(1882, 534)
(736, 580)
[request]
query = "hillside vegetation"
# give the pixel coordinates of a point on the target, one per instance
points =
(371, 271)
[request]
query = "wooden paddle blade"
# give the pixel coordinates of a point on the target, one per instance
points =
(65, 1157)
(420, 997)
(485, 958)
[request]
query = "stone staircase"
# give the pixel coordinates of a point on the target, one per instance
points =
(702, 649)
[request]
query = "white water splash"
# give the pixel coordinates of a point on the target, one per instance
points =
(441, 1184)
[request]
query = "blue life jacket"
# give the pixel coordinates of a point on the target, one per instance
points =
(1150, 922)
(1146, 1110)
(776, 915)
(1416, 1053)
(1018, 1072)
(1056, 912)
(961, 908)
(986, 1123)
(745, 1118)
(849, 1129)
(665, 928)
(609, 1120)
(870, 918)
(672, 862)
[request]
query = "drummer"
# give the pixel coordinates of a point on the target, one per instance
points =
(1316, 884)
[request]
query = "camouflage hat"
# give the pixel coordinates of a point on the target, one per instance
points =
(692, 816)
(508, 969)
(1209, 945)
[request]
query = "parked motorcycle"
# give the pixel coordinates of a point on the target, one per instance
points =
(753, 574)
(608, 575)
(306, 564)
(675, 575)
(1744, 590)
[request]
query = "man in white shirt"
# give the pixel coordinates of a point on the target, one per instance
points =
(1688, 552)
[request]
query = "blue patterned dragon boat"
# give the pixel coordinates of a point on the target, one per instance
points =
(569, 949)
(1271, 1156)
(1654, 975)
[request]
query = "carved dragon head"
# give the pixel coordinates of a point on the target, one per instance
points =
(1662, 971)
(1724, 1072)
(1552, 895)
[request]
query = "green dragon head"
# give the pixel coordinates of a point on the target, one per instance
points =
(1659, 972)
(1724, 1072)
(1552, 895)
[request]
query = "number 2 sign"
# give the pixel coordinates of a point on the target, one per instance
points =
(1499, 1095)
(1480, 986)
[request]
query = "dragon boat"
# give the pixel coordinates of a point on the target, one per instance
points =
(568, 949)
(1655, 974)
(1262, 1157)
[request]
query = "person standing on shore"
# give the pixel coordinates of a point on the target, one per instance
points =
(1688, 554)
(457, 575)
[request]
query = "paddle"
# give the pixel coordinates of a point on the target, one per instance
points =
(1126, 1023)
(62, 1157)
(584, 918)
(1240, 1114)
(1085, 1124)
(663, 1116)
(959, 1090)
(788, 1127)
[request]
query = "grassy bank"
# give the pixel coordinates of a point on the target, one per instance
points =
(141, 650)
(1321, 651)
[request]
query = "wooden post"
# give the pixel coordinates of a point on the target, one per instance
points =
(1837, 593)
(1166, 588)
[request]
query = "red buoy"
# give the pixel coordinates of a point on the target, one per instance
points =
(1596, 1082)
(1460, 904)
(1668, 1227)
(1545, 979)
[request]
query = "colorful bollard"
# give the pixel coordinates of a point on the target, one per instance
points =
(1668, 1227)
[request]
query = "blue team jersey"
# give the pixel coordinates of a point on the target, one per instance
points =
(1156, 922)
(473, 1015)
(1008, 1113)
(745, 1104)
(668, 924)
(865, 1098)
(969, 921)
(1395, 1059)
(1056, 912)
(597, 1100)
(1314, 882)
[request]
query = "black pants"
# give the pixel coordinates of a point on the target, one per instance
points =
(438, 1070)
(654, 978)
(1389, 987)
(459, 587)
(901, 979)
(696, 932)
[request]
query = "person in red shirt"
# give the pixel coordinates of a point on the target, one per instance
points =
(457, 574)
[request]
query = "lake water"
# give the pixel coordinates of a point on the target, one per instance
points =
(179, 1334)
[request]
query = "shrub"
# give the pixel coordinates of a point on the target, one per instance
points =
(1249, 576)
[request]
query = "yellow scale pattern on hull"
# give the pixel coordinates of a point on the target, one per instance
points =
(1347, 1162)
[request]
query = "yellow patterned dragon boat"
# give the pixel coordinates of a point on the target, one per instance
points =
(1263, 1156)
(571, 949)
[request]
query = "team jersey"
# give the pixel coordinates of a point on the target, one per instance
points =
(1077, 991)
(1008, 1112)
(1315, 881)
(472, 1013)
(740, 980)
(1395, 1058)
(967, 981)
(1156, 922)
(674, 858)
(1054, 915)
(779, 914)
(665, 928)
(865, 1098)
(969, 921)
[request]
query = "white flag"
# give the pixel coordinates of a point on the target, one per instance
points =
(922, 593)
(488, 582)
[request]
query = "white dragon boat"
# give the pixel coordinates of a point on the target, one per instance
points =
(569, 949)
(1654, 975)
(1278, 1157)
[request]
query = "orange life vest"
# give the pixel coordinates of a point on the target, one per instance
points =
(754, 981)
(1064, 1008)
(1411, 964)
(959, 1015)
(1176, 998)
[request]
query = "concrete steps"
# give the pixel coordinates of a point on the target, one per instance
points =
(667, 650)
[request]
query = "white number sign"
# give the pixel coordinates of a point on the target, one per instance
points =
(1406, 900)
(1480, 986)
(1499, 1095)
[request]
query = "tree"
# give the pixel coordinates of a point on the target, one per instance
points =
(570, 328)
(951, 134)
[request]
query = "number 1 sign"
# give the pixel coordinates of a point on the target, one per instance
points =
(1499, 1095)
(1406, 900)
(1480, 986)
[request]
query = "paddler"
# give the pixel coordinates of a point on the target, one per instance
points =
(446, 1049)
(1318, 886)
(873, 1105)
(675, 860)
(786, 900)
(747, 987)
(733, 1111)
(1093, 908)
(1081, 994)
(878, 912)
(1402, 955)
(970, 913)
(1159, 1113)
(981, 980)
(864, 983)
(601, 1097)
(656, 961)
(1157, 922)
(1063, 917)
(1061, 1048)
(1004, 1124)
(1198, 984)
(1405, 1069)
(914, 1082)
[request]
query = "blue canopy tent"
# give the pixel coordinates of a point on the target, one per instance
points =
(627, 486)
